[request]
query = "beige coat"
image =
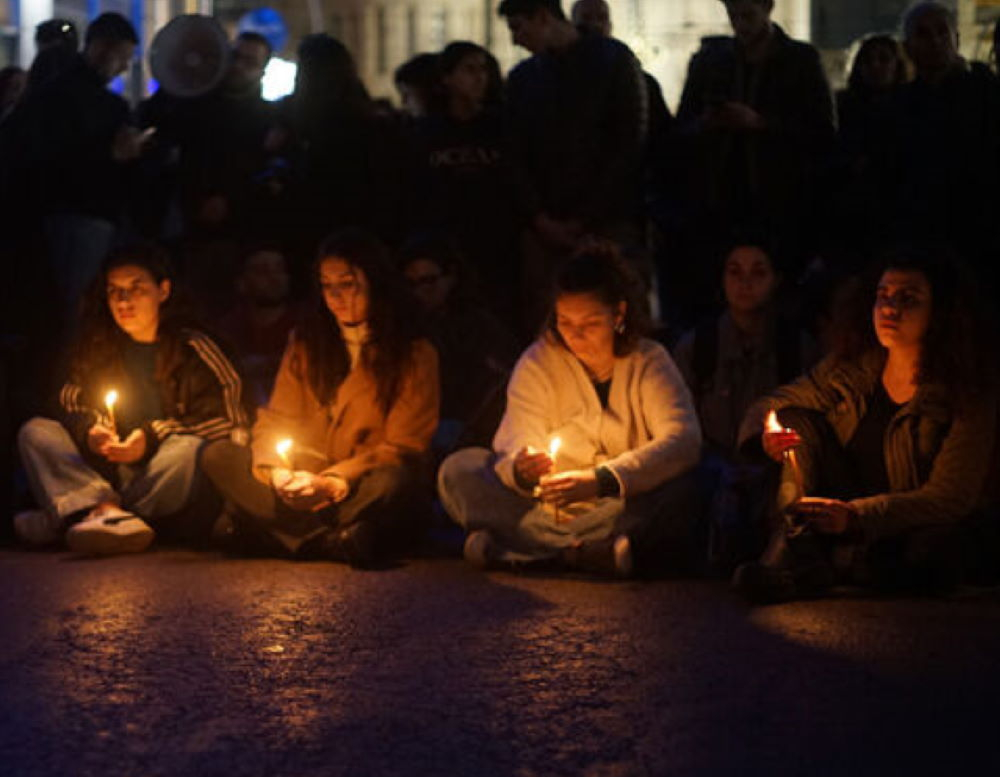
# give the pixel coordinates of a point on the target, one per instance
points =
(352, 435)
(648, 434)
(937, 455)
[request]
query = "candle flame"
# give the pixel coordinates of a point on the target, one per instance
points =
(772, 422)
(110, 398)
(554, 446)
(283, 448)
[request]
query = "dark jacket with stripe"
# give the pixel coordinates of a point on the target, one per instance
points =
(200, 393)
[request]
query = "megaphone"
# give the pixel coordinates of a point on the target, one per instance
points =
(189, 55)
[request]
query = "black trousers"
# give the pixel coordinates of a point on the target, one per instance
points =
(389, 498)
(927, 558)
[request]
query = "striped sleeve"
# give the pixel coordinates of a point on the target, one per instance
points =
(219, 412)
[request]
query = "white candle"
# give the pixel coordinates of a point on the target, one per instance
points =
(109, 401)
(793, 461)
(554, 445)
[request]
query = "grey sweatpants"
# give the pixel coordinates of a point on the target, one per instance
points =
(475, 498)
(63, 483)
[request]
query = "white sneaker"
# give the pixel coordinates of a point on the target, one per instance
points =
(479, 549)
(37, 527)
(109, 532)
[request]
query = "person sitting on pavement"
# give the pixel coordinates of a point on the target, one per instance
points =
(732, 359)
(890, 439)
(117, 467)
(591, 466)
(417, 80)
(939, 160)
(354, 407)
(728, 361)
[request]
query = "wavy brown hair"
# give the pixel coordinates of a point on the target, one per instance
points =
(958, 351)
(598, 268)
(392, 323)
(97, 347)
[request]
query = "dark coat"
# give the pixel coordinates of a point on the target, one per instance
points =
(577, 122)
(769, 168)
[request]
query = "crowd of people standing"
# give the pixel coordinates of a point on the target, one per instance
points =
(358, 282)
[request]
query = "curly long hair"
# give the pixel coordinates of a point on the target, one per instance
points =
(599, 268)
(392, 322)
(957, 352)
(98, 345)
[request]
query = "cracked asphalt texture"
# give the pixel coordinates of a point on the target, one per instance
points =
(185, 663)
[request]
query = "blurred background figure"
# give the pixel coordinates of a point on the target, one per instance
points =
(756, 123)
(259, 324)
(417, 80)
(463, 176)
(56, 45)
(348, 167)
(474, 369)
(211, 149)
(864, 110)
(13, 80)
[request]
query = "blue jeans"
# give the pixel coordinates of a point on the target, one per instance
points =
(524, 530)
(63, 483)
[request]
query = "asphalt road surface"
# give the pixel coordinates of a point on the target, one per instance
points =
(183, 663)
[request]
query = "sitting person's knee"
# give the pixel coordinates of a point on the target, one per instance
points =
(459, 465)
(36, 432)
(216, 457)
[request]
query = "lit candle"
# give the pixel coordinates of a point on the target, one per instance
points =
(284, 447)
(109, 401)
(793, 461)
(554, 446)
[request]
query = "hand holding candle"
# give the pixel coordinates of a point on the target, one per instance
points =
(279, 478)
(779, 443)
(554, 445)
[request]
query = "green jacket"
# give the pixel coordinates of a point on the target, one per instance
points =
(938, 453)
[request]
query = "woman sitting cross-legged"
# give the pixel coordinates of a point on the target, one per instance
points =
(108, 471)
(893, 435)
(357, 397)
(616, 491)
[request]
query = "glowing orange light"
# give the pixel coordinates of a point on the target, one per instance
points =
(283, 448)
(109, 401)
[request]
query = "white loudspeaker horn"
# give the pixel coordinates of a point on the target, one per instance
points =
(189, 55)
